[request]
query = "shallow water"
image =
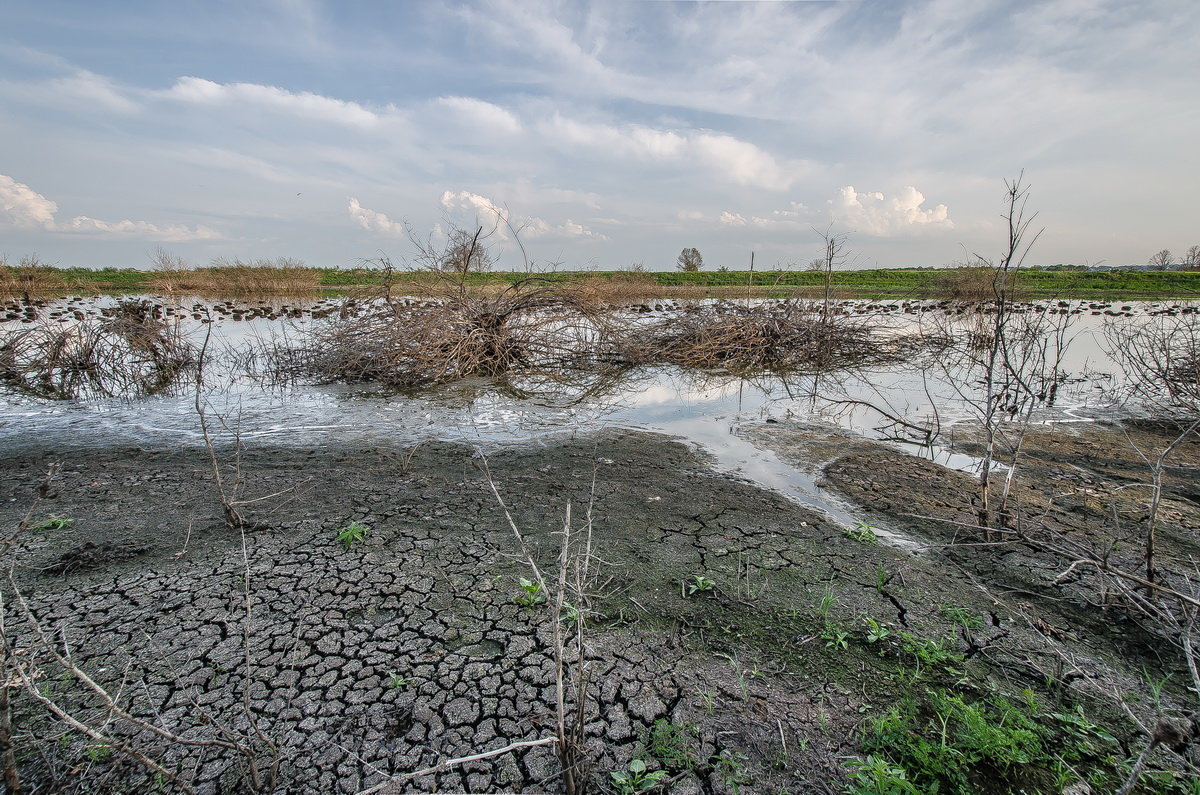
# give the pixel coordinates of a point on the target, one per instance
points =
(706, 411)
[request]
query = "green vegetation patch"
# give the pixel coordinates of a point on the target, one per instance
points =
(934, 740)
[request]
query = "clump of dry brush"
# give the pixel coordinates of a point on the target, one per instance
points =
(526, 327)
(1162, 359)
(131, 352)
(29, 280)
(233, 278)
(777, 336)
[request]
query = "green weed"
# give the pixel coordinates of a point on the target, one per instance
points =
(399, 681)
(937, 741)
(532, 594)
(875, 775)
(876, 632)
(637, 778)
(352, 534)
(671, 744)
(99, 751)
(826, 604)
(698, 584)
(961, 616)
(835, 637)
(53, 523)
(862, 532)
(731, 767)
(881, 577)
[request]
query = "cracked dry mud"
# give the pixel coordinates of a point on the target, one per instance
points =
(369, 661)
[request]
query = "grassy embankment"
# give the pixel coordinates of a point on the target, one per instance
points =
(878, 283)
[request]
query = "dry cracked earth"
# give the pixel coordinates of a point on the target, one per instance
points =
(288, 659)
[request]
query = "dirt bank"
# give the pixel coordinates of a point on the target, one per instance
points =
(730, 641)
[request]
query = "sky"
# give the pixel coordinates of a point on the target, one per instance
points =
(596, 135)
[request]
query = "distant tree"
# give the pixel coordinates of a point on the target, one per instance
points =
(690, 260)
(1191, 260)
(1162, 260)
(465, 252)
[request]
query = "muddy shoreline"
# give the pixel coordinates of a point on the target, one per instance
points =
(366, 660)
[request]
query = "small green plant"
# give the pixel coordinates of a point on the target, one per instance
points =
(835, 637)
(932, 653)
(876, 632)
(962, 616)
(399, 681)
(570, 613)
(826, 604)
(875, 775)
(881, 577)
(352, 534)
(671, 744)
(637, 778)
(532, 593)
(731, 767)
(698, 584)
(948, 742)
(99, 751)
(53, 523)
(862, 532)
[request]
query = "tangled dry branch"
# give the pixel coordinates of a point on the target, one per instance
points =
(130, 352)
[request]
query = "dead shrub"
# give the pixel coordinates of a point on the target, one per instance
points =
(778, 336)
(525, 327)
(973, 284)
(29, 280)
(1161, 361)
(615, 290)
(132, 352)
(240, 279)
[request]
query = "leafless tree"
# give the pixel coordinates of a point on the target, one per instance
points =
(690, 260)
(834, 245)
(1191, 260)
(163, 260)
(1162, 260)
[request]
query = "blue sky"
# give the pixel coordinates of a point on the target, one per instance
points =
(608, 133)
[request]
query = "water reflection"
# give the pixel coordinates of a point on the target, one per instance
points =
(908, 403)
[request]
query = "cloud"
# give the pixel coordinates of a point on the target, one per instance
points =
(530, 226)
(780, 219)
(374, 221)
(481, 115)
(24, 207)
(736, 160)
(170, 233)
(87, 88)
(304, 104)
(465, 200)
(874, 214)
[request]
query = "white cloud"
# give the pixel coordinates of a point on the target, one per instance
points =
(537, 228)
(374, 221)
(86, 88)
(465, 200)
(874, 214)
(739, 161)
(24, 207)
(531, 227)
(732, 219)
(484, 116)
(170, 233)
(304, 104)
